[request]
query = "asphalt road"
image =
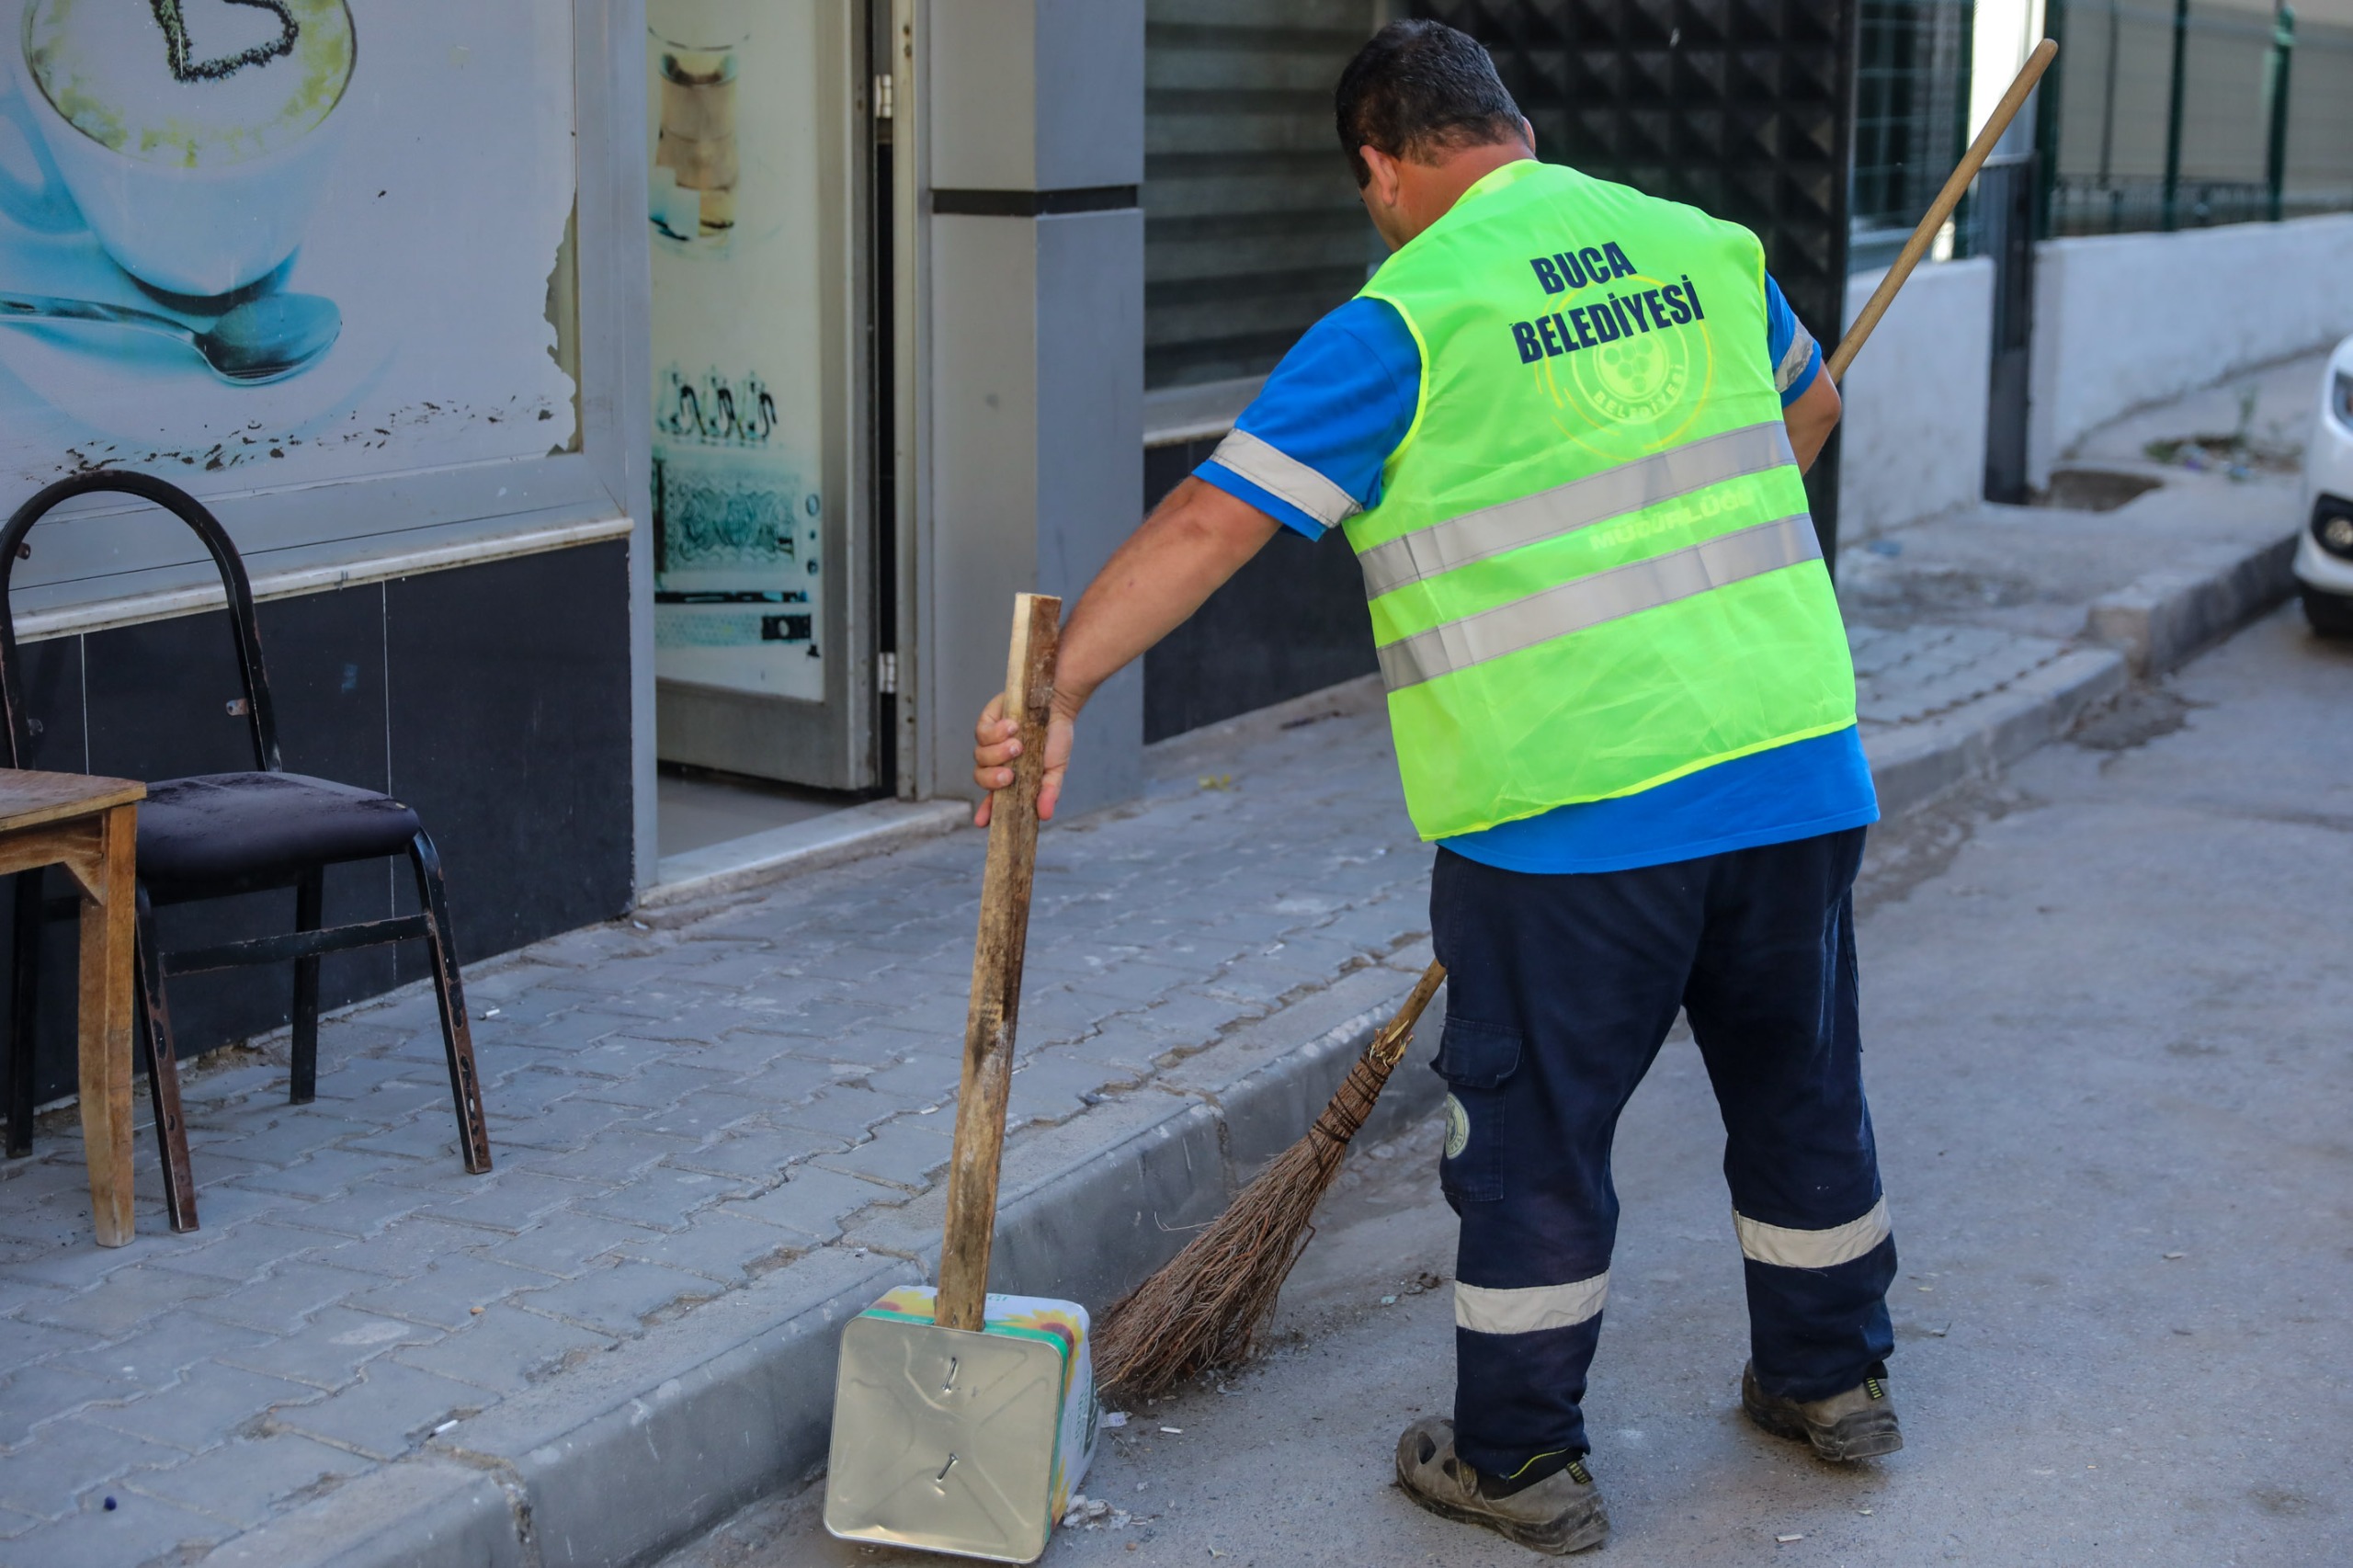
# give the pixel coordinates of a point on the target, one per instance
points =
(2106, 1009)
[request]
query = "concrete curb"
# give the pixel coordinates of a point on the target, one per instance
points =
(2164, 617)
(626, 1455)
(875, 828)
(1915, 764)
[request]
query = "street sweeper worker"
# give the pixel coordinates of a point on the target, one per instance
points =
(1563, 426)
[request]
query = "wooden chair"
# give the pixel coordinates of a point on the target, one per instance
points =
(224, 833)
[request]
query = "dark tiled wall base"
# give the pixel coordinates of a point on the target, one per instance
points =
(1292, 621)
(492, 699)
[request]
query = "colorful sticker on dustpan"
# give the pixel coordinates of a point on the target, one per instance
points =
(1062, 1324)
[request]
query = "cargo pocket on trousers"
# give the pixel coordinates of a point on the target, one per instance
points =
(1475, 1059)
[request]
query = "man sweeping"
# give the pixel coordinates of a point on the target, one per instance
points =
(1563, 427)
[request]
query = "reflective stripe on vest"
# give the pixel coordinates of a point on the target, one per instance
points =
(1613, 493)
(1603, 596)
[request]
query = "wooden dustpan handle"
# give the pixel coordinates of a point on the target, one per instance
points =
(996, 972)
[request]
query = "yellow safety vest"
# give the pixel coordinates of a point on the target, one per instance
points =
(1591, 568)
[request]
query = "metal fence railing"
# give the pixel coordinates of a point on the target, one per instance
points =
(2193, 113)
(1911, 116)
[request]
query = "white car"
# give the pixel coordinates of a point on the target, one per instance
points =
(2324, 553)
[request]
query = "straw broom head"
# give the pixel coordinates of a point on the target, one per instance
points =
(1202, 1310)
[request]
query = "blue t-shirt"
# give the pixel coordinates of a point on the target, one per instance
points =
(1322, 430)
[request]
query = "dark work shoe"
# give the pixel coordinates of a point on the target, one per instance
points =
(1857, 1424)
(1561, 1514)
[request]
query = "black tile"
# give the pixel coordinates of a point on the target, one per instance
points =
(49, 673)
(1292, 621)
(159, 697)
(510, 736)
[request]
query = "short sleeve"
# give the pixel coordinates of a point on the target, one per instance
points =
(1797, 359)
(1308, 449)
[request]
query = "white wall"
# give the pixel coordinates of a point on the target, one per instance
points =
(2125, 320)
(1913, 442)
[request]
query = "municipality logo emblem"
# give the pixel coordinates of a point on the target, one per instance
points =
(1636, 378)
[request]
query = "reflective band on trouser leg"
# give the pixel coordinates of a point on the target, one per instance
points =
(1529, 1310)
(1613, 493)
(1520, 1357)
(1278, 473)
(1598, 598)
(1785, 1248)
(1818, 1301)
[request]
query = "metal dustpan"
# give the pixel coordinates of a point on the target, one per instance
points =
(963, 1422)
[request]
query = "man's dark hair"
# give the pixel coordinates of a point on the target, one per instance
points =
(1418, 88)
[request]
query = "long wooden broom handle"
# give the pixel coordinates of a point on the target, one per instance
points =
(1390, 1043)
(1941, 208)
(998, 952)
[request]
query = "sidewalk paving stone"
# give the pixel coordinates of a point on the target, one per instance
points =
(657, 1088)
(570, 1123)
(139, 1529)
(65, 1459)
(510, 1201)
(24, 1343)
(505, 1350)
(564, 1243)
(388, 1412)
(428, 1135)
(282, 1299)
(728, 1248)
(116, 1305)
(322, 1172)
(612, 1158)
(786, 1078)
(704, 1115)
(328, 1351)
(409, 1246)
(243, 1483)
(907, 1153)
(813, 1201)
(362, 1211)
(449, 1291)
(759, 1152)
(48, 1391)
(663, 1198)
(162, 1351)
(846, 1108)
(201, 1410)
(617, 1299)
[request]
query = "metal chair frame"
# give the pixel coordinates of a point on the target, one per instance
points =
(154, 966)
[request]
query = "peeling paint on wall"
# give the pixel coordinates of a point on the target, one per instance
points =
(403, 256)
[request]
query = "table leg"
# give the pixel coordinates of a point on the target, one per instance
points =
(106, 1031)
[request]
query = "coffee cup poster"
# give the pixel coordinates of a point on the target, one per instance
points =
(251, 244)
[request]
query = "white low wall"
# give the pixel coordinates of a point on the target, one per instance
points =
(1914, 438)
(2124, 319)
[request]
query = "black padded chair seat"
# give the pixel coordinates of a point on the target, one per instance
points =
(252, 829)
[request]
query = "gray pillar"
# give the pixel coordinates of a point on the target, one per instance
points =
(1034, 134)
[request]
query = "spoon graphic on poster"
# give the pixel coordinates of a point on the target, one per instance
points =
(263, 340)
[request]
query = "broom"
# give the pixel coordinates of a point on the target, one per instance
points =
(1202, 1310)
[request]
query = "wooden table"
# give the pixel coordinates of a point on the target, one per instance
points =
(89, 826)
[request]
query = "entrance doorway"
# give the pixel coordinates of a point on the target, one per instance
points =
(760, 129)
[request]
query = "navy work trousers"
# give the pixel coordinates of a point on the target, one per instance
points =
(1560, 990)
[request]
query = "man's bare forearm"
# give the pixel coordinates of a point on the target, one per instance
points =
(1192, 542)
(1811, 418)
